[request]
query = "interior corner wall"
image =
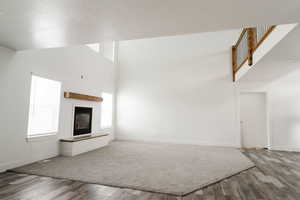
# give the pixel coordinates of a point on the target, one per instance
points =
(177, 90)
(283, 106)
(284, 112)
(78, 68)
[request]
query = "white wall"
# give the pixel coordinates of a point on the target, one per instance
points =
(277, 74)
(62, 64)
(178, 89)
(108, 50)
(284, 104)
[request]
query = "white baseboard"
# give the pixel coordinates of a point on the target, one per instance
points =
(192, 142)
(11, 165)
(285, 148)
(6, 166)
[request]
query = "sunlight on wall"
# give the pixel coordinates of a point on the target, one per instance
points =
(106, 110)
(95, 47)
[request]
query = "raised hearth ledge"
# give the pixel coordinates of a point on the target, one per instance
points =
(76, 146)
(82, 138)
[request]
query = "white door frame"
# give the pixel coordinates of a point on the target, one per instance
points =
(268, 133)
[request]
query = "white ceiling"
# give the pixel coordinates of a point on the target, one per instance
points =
(29, 24)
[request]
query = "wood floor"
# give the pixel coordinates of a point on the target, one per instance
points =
(276, 177)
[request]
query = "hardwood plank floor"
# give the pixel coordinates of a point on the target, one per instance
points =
(275, 177)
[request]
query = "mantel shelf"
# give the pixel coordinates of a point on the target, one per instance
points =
(73, 95)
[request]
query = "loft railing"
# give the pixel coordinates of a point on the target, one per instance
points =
(249, 40)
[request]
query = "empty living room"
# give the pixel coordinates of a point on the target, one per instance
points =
(149, 100)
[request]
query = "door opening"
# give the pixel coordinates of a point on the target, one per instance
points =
(253, 120)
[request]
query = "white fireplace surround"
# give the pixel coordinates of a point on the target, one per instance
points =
(73, 120)
(92, 142)
(93, 119)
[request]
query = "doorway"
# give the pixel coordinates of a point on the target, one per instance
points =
(253, 119)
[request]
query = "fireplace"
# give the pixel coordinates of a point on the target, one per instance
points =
(82, 121)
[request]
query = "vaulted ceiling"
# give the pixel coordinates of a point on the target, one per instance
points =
(31, 24)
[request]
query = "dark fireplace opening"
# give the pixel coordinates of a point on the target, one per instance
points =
(82, 121)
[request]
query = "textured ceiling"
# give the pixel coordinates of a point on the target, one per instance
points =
(53, 23)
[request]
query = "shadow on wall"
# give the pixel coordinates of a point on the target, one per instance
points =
(6, 55)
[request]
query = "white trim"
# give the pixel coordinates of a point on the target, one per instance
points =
(108, 128)
(238, 115)
(33, 138)
(11, 165)
(170, 141)
(269, 134)
(285, 148)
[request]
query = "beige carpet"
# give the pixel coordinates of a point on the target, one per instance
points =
(163, 168)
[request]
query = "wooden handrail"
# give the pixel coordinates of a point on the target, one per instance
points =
(253, 42)
(265, 36)
(241, 37)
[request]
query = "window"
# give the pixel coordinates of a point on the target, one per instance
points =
(106, 110)
(44, 106)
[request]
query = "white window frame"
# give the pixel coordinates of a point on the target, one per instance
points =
(31, 111)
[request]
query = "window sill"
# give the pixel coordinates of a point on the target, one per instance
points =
(106, 128)
(40, 137)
